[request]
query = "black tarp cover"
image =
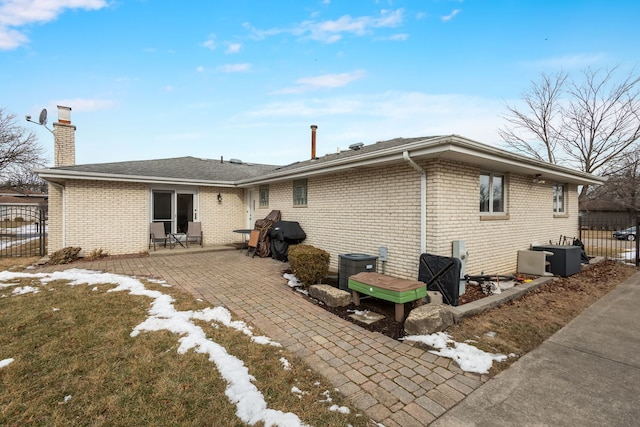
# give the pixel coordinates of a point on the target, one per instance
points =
(283, 234)
(441, 274)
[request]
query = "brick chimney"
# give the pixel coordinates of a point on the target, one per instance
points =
(313, 141)
(64, 135)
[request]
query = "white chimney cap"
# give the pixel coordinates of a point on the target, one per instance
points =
(64, 114)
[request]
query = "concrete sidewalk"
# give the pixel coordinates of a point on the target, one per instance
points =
(587, 374)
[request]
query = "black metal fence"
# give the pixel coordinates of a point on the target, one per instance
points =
(611, 237)
(23, 231)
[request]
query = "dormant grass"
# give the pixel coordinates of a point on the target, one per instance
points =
(76, 364)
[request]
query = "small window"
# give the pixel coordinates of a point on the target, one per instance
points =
(264, 196)
(559, 199)
(492, 194)
(300, 192)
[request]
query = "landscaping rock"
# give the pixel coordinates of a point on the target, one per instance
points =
(434, 297)
(332, 297)
(428, 319)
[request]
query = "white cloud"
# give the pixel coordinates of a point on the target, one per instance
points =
(17, 13)
(11, 39)
(87, 105)
(306, 84)
(330, 31)
(235, 68)
(394, 37)
(257, 34)
(200, 69)
(210, 43)
(450, 16)
(391, 114)
(233, 48)
(168, 88)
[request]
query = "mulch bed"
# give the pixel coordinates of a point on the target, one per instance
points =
(386, 326)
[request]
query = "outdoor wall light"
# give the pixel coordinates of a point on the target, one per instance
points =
(219, 198)
(538, 179)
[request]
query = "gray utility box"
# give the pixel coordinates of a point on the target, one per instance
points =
(350, 264)
(565, 260)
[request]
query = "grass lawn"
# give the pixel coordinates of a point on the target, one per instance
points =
(75, 362)
(520, 326)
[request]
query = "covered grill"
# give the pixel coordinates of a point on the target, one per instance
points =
(283, 234)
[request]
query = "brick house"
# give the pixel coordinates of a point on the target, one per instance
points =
(411, 196)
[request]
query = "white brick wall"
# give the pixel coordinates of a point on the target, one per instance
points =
(220, 219)
(115, 216)
(361, 210)
(349, 212)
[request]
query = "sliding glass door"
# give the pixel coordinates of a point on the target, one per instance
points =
(174, 208)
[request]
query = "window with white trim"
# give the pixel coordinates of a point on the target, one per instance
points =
(559, 199)
(492, 193)
(300, 192)
(264, 196)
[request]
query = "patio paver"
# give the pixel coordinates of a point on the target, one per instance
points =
(392, 382)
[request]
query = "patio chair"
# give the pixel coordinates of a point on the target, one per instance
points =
(194, 232)
(157, 234)
(253, 243)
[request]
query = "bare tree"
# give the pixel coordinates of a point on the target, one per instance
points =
(587, 124)
(24, 179)
(623, 183)
(602, 121)
(19, 148)
(535, 130)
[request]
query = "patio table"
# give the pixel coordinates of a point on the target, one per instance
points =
(176, 238)
(245, 232)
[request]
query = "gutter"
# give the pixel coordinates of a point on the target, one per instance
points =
(423, 200)
(51, 174)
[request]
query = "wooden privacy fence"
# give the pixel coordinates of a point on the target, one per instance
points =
(23, 231)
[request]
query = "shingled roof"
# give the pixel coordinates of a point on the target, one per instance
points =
(183, 168)
(357, 150)
(196, 171)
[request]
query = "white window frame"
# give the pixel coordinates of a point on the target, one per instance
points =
(263, 190)
(300, 185)
(492, 176)
(560, 206)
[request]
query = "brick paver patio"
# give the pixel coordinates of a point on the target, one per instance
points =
(396, 384)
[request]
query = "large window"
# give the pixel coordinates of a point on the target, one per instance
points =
(559, 199)
(264, 196)
(174, 208)
(492, 194)
(300, 192)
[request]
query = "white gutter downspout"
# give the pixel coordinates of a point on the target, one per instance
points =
(64, 208)
(423, 201)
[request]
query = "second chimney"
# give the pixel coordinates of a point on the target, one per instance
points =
(313, 141)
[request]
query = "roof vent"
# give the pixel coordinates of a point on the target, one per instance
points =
(356, 146)
(235, 161)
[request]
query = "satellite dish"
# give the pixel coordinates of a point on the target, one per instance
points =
(43, 117)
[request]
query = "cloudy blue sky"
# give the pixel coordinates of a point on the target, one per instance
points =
(245, 79)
